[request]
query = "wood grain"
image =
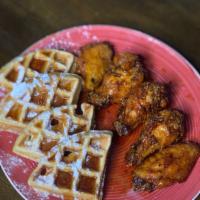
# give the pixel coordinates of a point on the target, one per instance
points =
(26, 21)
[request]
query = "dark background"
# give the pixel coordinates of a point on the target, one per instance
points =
(23, 22)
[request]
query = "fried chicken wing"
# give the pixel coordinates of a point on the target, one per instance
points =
(126, 74)
(171, 165)
(159, 130)
(149, 97)
(93, 62)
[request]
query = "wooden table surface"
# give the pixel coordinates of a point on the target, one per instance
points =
(22, 22)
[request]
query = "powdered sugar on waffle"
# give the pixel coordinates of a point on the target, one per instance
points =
(8, 106)
(21, 72)
(31, 114)
(19, 90)
(49, 179)
(31, 144)
(70, 140)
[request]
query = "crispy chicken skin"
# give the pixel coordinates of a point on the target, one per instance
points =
(159, 130)
(150, 97)
(126, 74)
(171, 165)
(94, 60)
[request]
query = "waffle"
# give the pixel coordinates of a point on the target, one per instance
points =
(35, 94)
(34, 145)
(64, 120)
(48, 127)
(78, 169)
(41, 61)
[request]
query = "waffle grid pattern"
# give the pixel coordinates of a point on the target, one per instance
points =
(29, 98)
(52, 125)
(77, 168)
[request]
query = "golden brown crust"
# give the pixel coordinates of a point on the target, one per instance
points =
(164, 168)
(126, 74)
(149, 98)
(94, 60)
(127, 60)
(160, 130)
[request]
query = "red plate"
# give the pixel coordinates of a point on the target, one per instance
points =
(166, 65)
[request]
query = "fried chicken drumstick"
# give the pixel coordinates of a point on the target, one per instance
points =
(150, 97)
(160, 130)
(127, 73)
(164, 168)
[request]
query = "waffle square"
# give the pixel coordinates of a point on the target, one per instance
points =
(45, 131)
(27, 99)
(78, 167)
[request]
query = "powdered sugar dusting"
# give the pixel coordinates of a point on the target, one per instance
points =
(86, 34)
(87, 27)
(95, 38)
(62, 44)
(67, 40)
(68, 35)
(48, 180)
(2, 92)
(30, 193)
(19, 90)
(11, 162)
(25, 170)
